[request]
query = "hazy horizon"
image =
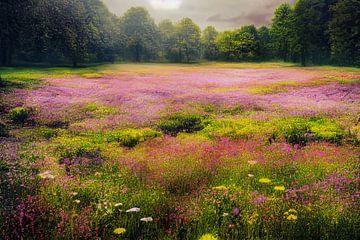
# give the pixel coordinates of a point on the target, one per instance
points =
(225, 14)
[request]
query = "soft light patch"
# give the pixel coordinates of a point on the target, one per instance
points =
(165, 4)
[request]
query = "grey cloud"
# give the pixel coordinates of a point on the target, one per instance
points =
(223, 14)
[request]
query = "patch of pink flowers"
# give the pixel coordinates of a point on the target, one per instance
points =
(142, 99)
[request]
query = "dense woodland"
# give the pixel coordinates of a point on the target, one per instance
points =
(84, 31)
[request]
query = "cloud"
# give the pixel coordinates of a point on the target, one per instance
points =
(254, 18)
(223, 14)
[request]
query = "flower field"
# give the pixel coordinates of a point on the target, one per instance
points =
(165, 151)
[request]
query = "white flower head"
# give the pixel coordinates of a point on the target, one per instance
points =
(135, 209)
(147, 219)
(46, 175)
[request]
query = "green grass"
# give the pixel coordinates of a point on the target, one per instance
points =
(212, 172)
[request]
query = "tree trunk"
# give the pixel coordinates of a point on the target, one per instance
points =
(303, 58)
(10, 55)
(3, 55)
(137, 53)
(74, 62)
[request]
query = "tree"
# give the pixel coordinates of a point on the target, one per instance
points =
(283, 33)
(264, 43)
(188, 40)
(209, 45)
(168, 40)
(140, 33)
(312, 21)
(13, 16)
(345, 32)
(241, 44)
(106, 40)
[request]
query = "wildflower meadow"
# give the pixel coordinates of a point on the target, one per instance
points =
(205, 151)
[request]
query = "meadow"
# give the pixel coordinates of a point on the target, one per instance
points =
(180, 151)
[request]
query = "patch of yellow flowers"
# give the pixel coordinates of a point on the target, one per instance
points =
(208, 236)
(291, 215)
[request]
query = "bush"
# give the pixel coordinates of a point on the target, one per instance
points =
(3, 131)
(131, 137)
(181, 122)
(19, 115)
(327, 130)
(295, 130)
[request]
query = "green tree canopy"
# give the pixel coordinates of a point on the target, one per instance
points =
(208, 41)
(188, 40)
(345, 32)
(241, 44)
(141, 33)
(283, 32)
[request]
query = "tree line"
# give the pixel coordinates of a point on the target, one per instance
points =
(83, 31)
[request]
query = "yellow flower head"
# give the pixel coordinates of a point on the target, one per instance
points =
(77, 201)
(264, 180)
(223, 188)
(208, 236)
(120, 231)
(279, 188)
(292, 217)
(251, 221)
(292, 211)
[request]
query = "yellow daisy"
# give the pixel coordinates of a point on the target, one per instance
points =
(264, 180)
(292, 217)
(279, 188)
(120, 231)
(208, 236)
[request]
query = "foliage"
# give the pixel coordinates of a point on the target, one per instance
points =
(283, 32)
(241, 44)
(180, 122)
(208, 41)
(345, 32)
(140, 34)
(189, 39)
(309, 32)
(313, 38)
(3, 130)
(131, 137)
(19, 115)
(241, 175)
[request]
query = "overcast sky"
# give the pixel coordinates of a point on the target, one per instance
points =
(223, 14)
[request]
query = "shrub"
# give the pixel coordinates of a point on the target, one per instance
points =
(3, 131)
(46, 133)
(181, 122)
(326, 130)
(131, 137)
(67, 147)
(240, 128)
(295, 130)
(19, 114)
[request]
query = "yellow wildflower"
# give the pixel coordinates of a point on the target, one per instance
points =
(224, 188)
(120, 231)
(77, 201)
(264, 180)
(292, 211)
(251, 221)
(279, 188)
(292, 217)
(208, 236)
